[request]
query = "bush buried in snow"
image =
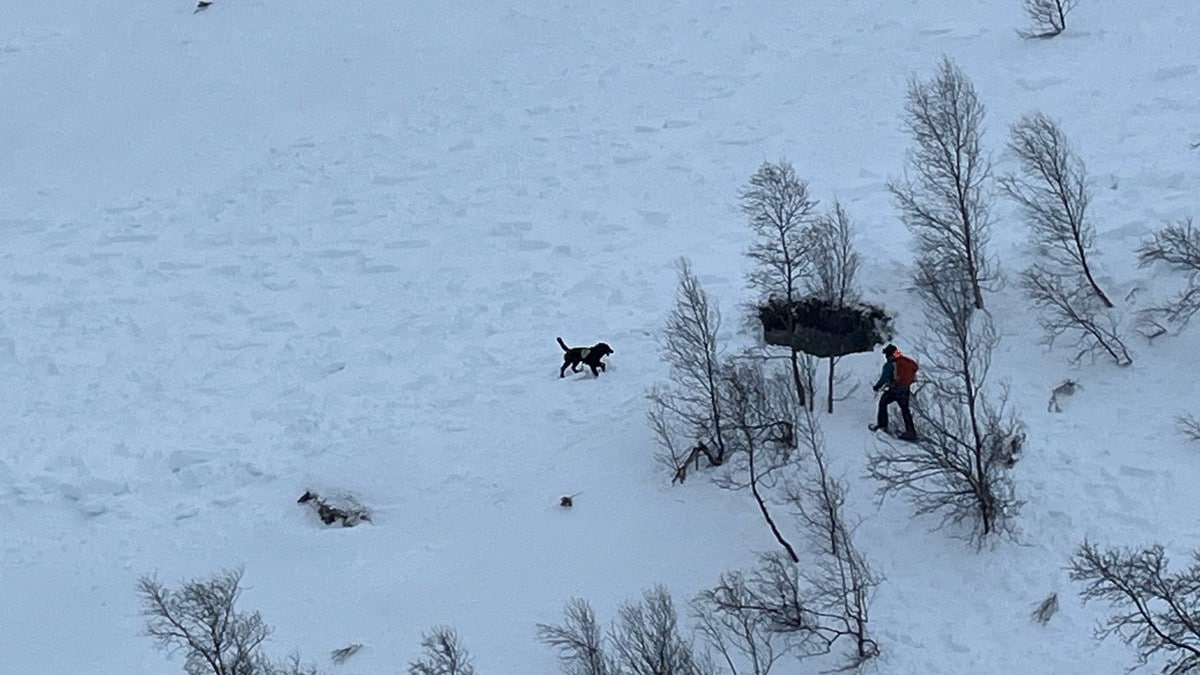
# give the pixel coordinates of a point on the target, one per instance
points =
(819, 328)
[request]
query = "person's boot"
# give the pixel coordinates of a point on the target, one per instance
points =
(908, 436)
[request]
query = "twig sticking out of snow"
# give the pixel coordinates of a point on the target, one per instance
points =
(339, 656)
(1045, 609)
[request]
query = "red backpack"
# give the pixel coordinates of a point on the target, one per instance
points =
(905, 370)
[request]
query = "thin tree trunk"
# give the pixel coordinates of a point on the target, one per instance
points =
(968, 230)
(1087, 272)
(715, 408)
(1077, 223)
(978, 449)
(827, 505)
(797, 378)
(829, 398)
(973, 271)
(762, 506)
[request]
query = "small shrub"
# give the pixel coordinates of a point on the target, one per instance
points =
(444, 655)
(201, 620)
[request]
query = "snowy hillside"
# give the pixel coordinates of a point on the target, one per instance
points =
(272, 247)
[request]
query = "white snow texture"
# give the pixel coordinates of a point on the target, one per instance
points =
(271, 247)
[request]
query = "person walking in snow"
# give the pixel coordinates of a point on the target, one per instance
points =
(899, 373)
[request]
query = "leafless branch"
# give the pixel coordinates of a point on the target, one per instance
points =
(780, 213)
(343, 654)
(840, 582)
(779, 597)
(444, 654)
(942, 198)
(646, 639)
(726, 617)
(1047, 18)
(579, 641)
(1154, 611)
(201, 620)
(687, 415)
(1052, 191)
(835, 280)
(1067, 311)
(1178, 247)
(760, 421)
(1189, 426)
(952, 472)
(1045, 609)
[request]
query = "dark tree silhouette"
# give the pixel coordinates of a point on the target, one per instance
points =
(1067, 310)
(1047, 18)
(687, 416)
(943, 198)
(835, 265)
(1153, 610)
(201, 619)
(444, 654)
(780, 212)
(1178, 247)
(1053, 193)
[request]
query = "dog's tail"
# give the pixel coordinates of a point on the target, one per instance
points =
(562, 344)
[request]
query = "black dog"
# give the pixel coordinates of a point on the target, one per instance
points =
(588, 356)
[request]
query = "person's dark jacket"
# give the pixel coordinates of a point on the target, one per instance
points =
(885, 378)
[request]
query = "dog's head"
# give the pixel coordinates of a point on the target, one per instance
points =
(602, 349)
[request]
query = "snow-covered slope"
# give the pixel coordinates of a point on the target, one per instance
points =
(278, 246)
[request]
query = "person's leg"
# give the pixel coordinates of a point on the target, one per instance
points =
(881, 417)
(902, 398)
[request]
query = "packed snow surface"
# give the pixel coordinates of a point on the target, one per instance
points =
(273, 247)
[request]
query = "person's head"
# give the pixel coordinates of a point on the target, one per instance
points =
(889, 352)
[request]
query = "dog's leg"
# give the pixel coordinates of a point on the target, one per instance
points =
(562, 372)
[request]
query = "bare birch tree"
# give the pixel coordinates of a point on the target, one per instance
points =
(201, 619)
(818, 602)
(644, 640)
(1178, 247)
(779, 211)
(783, 602)
(444, 654)
(687, 415)
(835, 261)
(1069, 309)
(959, 467)
(579, 641)
(840, 581)
(1047, 18)
(1052, 191)
(1154, 611)
(727, 618)
(761, 425)
(835, 272)
(943, 197)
